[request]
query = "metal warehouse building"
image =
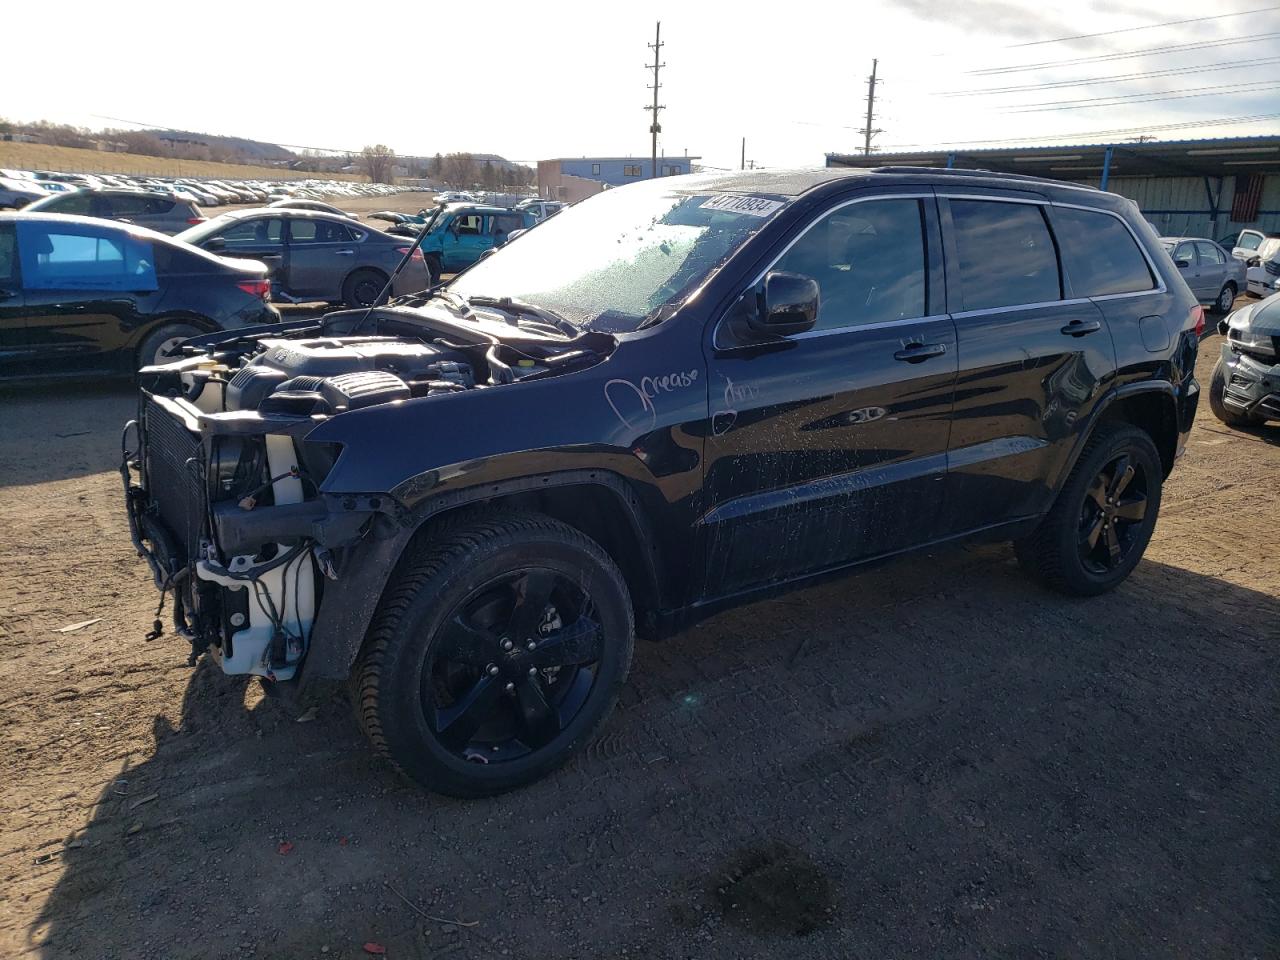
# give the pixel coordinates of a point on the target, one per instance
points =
(1206, 188)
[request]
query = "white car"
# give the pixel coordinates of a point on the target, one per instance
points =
(1263, 275)
(18, 193)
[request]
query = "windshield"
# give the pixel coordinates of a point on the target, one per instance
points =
(610, 262)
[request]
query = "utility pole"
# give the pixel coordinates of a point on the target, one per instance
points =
(743, 164)
(869, 131)
(655, 128)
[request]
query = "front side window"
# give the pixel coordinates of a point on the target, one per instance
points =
(1185, 253)
(869, 261)
(1006, 255)
(75, 203)
(250, 232)
(71, 257)
(1101, 256)
(468, 225)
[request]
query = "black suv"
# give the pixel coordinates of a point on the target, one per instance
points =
(676, 397)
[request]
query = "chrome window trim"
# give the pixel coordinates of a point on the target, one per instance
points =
(922, 193)
(1013, 308)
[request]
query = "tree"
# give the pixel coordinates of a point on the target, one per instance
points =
(436, 170)
(377, 161)
(489, 176)
(460, 170)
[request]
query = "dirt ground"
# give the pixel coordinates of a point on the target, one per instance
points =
(935, 759)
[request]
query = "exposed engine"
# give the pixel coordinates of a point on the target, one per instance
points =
(228, 505)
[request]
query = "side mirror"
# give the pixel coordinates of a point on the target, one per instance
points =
(215, 245)
(1253, 262)
(1182, 264)
(788, 305)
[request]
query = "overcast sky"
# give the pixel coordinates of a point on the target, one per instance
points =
(532, 81)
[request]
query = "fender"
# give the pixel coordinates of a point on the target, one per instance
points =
(1162, 387)
(349, 603)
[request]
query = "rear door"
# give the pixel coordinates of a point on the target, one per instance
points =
(321, 255)
(1030, 357)
(86, 289)
(829, 447)
(467, 236)
(1213, 269)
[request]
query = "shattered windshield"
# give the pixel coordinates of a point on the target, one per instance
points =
(611, 262)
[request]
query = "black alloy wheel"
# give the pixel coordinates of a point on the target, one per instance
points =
(1111, 517)
(513, 666)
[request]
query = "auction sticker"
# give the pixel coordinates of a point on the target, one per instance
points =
(752, 206)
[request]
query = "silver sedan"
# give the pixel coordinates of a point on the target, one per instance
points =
(1213, 275)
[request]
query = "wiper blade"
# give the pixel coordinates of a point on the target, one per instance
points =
(548, 318)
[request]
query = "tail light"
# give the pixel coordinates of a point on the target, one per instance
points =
(256, 288)
(1197, 314)
(194, 220)
(417, 252)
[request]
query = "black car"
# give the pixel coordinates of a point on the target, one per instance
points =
(151, 210)
(314, 256)
(89, 296)
(670, 399)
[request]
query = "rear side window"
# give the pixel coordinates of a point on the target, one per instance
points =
(1210, 252)
(1101, 255)
(109, 206)
(1006, 254)
(869, 261)
(158, 205)
(75, 257)
(318, 231)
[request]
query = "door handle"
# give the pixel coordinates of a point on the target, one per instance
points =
(7, 294)
(344, 253)
(1078, 328)
(919, 352)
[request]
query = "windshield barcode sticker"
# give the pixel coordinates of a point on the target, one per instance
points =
(752, 206)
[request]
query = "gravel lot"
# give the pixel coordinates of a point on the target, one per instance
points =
(935, 759)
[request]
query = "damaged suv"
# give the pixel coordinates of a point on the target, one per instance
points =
(1244, 389)
(673, 398)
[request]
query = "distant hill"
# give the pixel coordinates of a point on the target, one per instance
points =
(255, 149)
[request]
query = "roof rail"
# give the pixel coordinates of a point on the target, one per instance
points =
(987, 174)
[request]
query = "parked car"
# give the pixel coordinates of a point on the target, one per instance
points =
(541, 209)
(19, 193)
(1213, 275)
(1263, 268)
(1245, 388)
(459, 234)
(314, 256)
(1247, 243)
(80, 296)
(673, 398)
(318, 205)
(166, 214)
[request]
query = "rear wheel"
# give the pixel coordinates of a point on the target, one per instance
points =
(497, 653)
(363, 288)
(160, 344)
(1102, 520)
(1217, 388)
(1226, 298)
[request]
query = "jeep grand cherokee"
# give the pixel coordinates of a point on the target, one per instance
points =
(676, 397)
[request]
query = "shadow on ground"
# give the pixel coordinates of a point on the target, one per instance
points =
(935, 759)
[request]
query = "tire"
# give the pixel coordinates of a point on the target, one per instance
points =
(433, 269)
(1090, 541)
(1226, 298)
(1217, 387)
(161, 339)
(363, 287)
(440, 642)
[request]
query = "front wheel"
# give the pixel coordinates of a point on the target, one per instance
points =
(1100, 524)
(1226, 298)
(497, 652)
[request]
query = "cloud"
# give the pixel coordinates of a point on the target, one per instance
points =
(1008, 19)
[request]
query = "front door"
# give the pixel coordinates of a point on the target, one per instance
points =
(830, 446)
(1184, 258)
(321, 254)
(13, 322)
(256, 238)
(466, 237)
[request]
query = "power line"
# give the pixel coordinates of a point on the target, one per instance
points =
(1150, 26)
(1114, 78)
(1102, 58)
(1256, 86)
(1186, 125)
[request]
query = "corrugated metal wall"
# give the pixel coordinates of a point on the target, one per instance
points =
(1179, 206)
